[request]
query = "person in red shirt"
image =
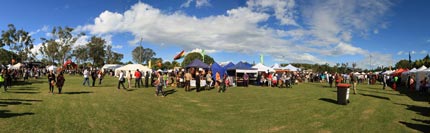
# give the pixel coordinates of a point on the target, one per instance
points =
(138, 77)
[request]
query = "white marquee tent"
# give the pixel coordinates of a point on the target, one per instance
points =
(132, 68)
(420, 74)
(262, 68)
(17, 66)
(291, 68)
(111, 66)
(276, 66)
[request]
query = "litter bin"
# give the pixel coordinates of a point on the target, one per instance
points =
(343, 93)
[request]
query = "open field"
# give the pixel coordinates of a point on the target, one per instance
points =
(308, 107)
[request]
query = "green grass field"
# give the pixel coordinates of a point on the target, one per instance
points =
(307, 107)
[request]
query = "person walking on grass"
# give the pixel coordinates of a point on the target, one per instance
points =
(159, 85)
(146, 79)
(129, 77)
(188, 78)
(60, 82)
(121, 80)
(354, 80)
(197, 81)
(51, 81)
(138, 77)
(245, 79)
(86, 77)
(94, 76)
(100, 75)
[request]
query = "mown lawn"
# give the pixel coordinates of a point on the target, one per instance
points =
(307, 107)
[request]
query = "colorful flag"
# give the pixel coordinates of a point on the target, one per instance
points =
(180, 55)
(261, 58)
(203, 54)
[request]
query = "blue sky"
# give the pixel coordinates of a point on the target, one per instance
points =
(285, 31)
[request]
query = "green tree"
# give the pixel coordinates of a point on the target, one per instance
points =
(402, 64)
(6, 56)
(81, 54)
(96, 47)
(59, 46)
(141, 55)
(113, 57)
(49, 50)
(191, 56)
(19, 42)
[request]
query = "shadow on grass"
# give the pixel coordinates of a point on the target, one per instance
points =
(375, 96)
(131, 89)
(20, 83)
(328, 100)
(6, 114)
(22, 100)
(79, 92)
(423, 121)
(381, 92)
(4, 103)
(420, 127)
(168, 92)
(24, 88)
(425, 111)
(22, 92)
(416, 96)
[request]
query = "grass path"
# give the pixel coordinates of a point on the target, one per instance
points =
(306, 107)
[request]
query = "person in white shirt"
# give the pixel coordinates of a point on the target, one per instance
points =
(121, 80)
(86, 78)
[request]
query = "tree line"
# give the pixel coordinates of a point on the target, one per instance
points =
(60, 46)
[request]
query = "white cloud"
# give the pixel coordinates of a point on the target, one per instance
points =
(423, 52)
(326, 30)
(43, 29)
(400, 53)
(413, 52)
(199, 3)
(207, 51)
(117, 46)
(35, 49)
(283, 9)
(428, 41)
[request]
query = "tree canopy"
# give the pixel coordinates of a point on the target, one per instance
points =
(194, 55)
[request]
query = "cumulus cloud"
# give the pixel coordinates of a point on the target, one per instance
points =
(207, 51)
(400, 53)
(423, 52)
(283, 9)
(326, 30)
(43, 29)
(199, 3)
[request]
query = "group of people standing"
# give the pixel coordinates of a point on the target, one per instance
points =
(56, 81)
(95, 74)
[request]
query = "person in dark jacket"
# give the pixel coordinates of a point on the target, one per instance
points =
(94, 76)
(146, 79)
(60, 82)
(51, 80)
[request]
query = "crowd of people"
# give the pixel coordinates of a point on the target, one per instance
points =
(193, 77)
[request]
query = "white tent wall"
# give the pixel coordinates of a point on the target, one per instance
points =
(420, 74)
(111, 66)
(262, 68)
(17, 66)
(132, 68)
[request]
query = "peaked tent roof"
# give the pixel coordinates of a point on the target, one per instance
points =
(276, 66)
(228, 65)
(291, 68)
(422, 68)
(217, 68)
(240, 65)
(262, 68)
(198, 64)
